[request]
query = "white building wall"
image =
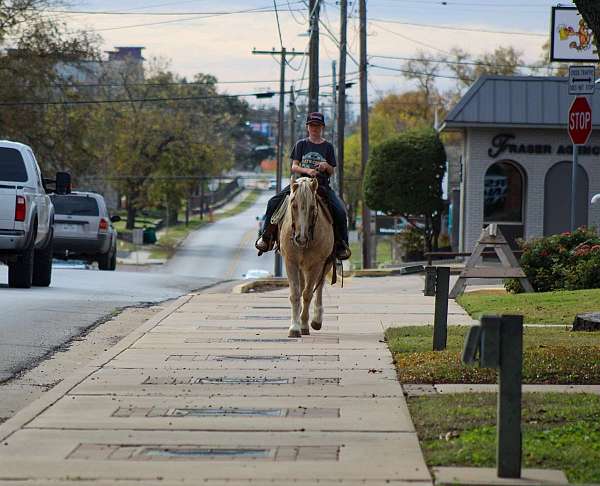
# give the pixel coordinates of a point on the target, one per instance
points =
(535, 167)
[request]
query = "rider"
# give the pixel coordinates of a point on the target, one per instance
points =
(313, 157)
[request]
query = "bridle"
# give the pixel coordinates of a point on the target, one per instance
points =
(313, 221)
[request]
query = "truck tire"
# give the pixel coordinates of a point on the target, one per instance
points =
(20, 273)
(42, 263)
(108, 260)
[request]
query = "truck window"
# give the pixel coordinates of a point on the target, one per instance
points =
(12, 166)
(72, 205)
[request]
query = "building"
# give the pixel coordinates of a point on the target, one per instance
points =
(516, 159)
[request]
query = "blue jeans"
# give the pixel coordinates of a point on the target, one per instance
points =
(336, 206)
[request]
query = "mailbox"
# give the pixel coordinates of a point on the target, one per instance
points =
(430, 281)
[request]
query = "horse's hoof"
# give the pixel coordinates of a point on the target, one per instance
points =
(305, 332)
(294, 334)
(316, 325)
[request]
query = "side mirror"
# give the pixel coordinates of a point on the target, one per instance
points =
(63, 183)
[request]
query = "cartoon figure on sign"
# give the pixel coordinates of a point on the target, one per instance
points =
(583, 34)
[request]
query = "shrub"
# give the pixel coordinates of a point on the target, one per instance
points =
(568, 261)
(411, 241)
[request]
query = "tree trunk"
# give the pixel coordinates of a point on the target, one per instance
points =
(590, 10)
(131, 213)
(436, 229)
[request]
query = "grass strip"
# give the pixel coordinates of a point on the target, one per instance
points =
(538, 308)
(560, 431)
(550, 356)
(172, 236)
(383, 253)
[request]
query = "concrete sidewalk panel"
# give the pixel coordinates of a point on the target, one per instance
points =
(216, 455)
(228, 413)
(240, 359)
(206, 383)
(488, 476)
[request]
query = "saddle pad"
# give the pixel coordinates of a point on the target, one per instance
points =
(280, 212)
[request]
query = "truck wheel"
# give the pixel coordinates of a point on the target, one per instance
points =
(104, 260)
(20, 273)
(113, 260)
(42, 264)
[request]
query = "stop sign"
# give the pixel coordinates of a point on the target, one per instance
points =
(580, 120)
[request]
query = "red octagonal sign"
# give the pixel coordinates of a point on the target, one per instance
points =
(580, 120)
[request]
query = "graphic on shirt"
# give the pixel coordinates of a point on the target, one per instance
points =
(311, 160)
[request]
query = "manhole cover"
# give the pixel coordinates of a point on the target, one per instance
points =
(160, 452)
(297, 412)
(249, 357)
(247, 380)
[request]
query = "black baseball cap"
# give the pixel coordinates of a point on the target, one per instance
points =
(316, 118)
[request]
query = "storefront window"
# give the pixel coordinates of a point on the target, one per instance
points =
(503, 195)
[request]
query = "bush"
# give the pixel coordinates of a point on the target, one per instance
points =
(568, 261)
(412, 243)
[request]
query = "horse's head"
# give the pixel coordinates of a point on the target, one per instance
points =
(303, 205)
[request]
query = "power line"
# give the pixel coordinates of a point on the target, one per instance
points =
(408, 71)
(466, 29)
(460, 63)
(278, 25)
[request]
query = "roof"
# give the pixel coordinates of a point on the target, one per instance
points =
(516, 101)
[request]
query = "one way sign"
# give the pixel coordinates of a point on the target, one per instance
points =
(581, 80)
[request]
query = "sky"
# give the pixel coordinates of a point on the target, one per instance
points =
(217, 37)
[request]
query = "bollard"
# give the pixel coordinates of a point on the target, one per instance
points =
(498, 343)
(509, 397)
(440, 322)
(430, 281)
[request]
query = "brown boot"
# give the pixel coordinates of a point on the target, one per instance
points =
(266, 242)
(342, 250)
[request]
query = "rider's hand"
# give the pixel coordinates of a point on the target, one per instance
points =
(323, 167)
(311, 172)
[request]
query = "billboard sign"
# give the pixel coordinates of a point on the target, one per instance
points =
(571, 39)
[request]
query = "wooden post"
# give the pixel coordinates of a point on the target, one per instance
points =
(440, 322)
(509, 397)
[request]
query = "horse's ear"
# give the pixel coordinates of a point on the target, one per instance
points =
(294, 186)
(314, 184)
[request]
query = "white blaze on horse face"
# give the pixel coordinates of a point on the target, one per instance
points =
(302, 202)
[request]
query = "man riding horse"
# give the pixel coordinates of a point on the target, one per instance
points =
(311, 157)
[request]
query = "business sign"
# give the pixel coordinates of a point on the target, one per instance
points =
(582, 80)
(571, 39)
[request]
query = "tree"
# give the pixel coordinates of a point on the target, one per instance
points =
(590, 11)
(404, 177)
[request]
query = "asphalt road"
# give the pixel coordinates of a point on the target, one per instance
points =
(35, 321)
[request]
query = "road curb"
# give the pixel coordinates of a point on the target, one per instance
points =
(30, 412)
(260, 285)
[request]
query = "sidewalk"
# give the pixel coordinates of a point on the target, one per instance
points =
(212, 390)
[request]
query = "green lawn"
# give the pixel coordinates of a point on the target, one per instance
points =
(384, 253)
(550, 355)
(560, 431)
(170, 237)
(539, 308)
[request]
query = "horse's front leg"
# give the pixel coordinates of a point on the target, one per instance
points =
(317, 319)
(295, 291)
(307, 295)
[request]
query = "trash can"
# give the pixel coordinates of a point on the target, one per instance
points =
(149, 236)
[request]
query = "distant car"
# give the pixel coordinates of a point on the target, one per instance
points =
(83, 229)
(272, 184)
(257, 273)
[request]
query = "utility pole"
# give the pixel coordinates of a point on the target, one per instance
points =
(283, 53)
(292, 116)
(313, 67)
(335, 179)
(341, 110)
(364, 133)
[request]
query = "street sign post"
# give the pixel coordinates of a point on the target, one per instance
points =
(579, 128)
(582, 80)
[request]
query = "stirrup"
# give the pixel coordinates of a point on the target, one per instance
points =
(342, 250)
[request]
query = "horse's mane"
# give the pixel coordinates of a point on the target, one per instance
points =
(303, 190)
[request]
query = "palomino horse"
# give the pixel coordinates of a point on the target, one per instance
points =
(306, 242)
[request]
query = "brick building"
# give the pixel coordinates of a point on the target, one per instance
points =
(516, 159)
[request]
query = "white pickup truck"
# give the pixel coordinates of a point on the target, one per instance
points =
(26, 218)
